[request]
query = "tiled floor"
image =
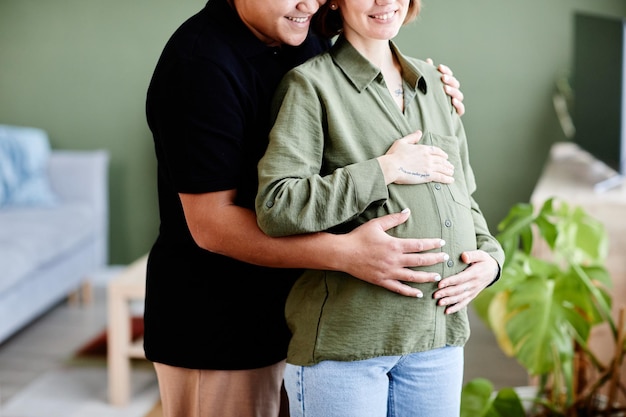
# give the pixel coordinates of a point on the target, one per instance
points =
(50, 340)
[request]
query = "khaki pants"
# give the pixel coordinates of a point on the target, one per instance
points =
(209, 393)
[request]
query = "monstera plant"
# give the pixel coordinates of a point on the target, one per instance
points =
(553, 291)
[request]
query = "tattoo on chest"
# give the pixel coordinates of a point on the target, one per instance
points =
(398, 91)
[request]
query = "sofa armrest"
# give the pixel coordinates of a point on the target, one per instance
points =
(82, 176)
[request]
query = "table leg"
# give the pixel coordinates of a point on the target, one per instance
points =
(119, 338)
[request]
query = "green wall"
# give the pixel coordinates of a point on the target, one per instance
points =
(80, 69)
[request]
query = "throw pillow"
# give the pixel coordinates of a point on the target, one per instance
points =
(24, 153)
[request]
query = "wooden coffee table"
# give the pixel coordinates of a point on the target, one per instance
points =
(129, 285)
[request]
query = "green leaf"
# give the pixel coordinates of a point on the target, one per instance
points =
(478, 400)
(507, 404)
(537, 326)
(514, 226)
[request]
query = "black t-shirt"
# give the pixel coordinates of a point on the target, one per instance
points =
(208, 109)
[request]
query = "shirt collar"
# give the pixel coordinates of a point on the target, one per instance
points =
(361, 72)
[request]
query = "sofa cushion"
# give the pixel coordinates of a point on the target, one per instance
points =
(24, 153)
(32, 236)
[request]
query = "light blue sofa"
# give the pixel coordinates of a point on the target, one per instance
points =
(47, 251)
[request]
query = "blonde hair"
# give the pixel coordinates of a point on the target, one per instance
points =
(328, 23)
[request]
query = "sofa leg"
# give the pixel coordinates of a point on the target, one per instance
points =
(86, 292)
(82, 295)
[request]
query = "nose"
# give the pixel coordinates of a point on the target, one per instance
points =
(309, 6)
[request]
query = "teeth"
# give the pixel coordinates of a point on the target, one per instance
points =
(385, 16)
(298, 19)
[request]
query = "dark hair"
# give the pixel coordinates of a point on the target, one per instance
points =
(328, 22)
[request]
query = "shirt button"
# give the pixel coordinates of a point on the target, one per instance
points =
(448, 223)
(450, 263)
(437, 186)
(269, 204)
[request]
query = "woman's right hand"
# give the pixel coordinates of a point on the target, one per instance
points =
(408, 162)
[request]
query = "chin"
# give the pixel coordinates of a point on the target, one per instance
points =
(294, 40)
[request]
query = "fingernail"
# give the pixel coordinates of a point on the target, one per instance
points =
(446, 256)
(419, 295)
(442, 242)
(437, 277)
(406, 210)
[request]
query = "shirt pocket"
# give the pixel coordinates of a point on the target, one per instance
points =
(450, 145)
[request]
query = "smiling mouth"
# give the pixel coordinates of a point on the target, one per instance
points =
(298, 19)
(385, 16)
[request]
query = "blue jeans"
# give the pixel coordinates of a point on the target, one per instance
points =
(424, 384)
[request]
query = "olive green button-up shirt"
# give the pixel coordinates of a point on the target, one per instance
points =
(334, 116)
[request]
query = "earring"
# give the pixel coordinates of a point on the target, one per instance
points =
(333, 6)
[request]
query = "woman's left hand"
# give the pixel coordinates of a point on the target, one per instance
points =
(458, 290)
